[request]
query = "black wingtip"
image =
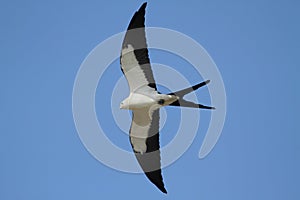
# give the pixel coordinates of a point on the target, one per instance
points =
(143, 6)
(207, 82)
(138, 19)
(156, 178)
(164, 190)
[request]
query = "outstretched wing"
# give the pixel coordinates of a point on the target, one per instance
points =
(135, 63)
(144, 139)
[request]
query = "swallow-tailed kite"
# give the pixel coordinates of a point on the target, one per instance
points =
(144, 99)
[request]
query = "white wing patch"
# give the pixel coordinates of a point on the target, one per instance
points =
(132, 70)
(140, 127)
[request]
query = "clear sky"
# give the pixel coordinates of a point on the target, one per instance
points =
(255, 45)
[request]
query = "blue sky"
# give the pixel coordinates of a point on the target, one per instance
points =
(256, 46)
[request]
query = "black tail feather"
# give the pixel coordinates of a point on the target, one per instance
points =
(183, 92)
(183, 103)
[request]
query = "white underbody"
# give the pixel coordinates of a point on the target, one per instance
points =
(139, 101)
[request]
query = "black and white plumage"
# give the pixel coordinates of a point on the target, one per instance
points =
(144, 99)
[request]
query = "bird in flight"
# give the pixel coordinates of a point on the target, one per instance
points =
(145, 101)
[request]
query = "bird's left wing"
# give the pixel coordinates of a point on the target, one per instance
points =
(144, 139)
(135, 62)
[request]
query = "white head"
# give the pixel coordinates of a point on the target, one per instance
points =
(124, 104)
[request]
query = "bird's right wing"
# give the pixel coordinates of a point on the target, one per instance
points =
(144, 139)
(135, 62)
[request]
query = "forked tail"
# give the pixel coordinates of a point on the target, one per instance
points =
(183, 103)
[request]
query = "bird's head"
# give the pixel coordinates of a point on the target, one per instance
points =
(124, 104)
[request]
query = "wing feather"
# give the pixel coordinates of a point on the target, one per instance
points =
(144, 130)
(144, 138)
(135, 62)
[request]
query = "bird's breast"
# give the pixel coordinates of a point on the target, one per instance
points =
(137, 101)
